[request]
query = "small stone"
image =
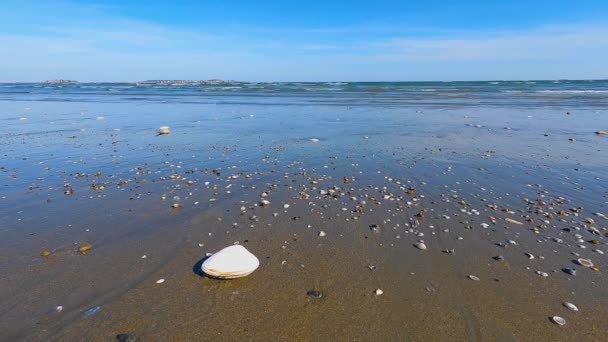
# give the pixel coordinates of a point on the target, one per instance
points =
(285, 206)
(378, 292)
(570, 271)
(499, 258)
(45, 253)
(126, 338)
(322, 234)
(314, 294)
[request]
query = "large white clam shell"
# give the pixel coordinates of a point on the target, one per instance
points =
(231, 262)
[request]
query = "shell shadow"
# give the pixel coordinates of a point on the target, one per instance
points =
(196, 269)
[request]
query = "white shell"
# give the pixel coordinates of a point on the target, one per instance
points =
(472, 277)
(558, 320)
(231, 262)
(571, 306)
(164, 130)
(420, 245)
(585, 262)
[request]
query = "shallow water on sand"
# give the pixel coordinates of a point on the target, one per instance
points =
(414, 172)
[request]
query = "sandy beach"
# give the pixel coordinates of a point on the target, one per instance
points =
(507, 192)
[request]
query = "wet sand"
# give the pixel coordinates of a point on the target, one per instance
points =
(378, 181)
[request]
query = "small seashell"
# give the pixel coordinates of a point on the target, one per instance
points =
(45, 253)
(285, 206)
(420, 246)
(265, 203)
(164, 130)
(231, 262)
(314, 140)
(499, 258)
(558, 320)
(530, 256)
(84, 248)
(322, 234)
(585, 262)
(378, 292)
(160, 281)
(472, 277)
(59, 308)
(510, 220)
(571, 306)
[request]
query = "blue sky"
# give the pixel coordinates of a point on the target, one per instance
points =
(303, 41)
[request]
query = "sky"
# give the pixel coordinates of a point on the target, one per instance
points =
(430, 40)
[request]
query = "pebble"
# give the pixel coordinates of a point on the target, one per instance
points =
(45, 253)
(322, 234)
(499, 258)
(126, 338)
(378, 292)
(314, 294)
(570, 271)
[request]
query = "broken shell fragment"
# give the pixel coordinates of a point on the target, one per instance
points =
(164, 130)
(231, 262)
